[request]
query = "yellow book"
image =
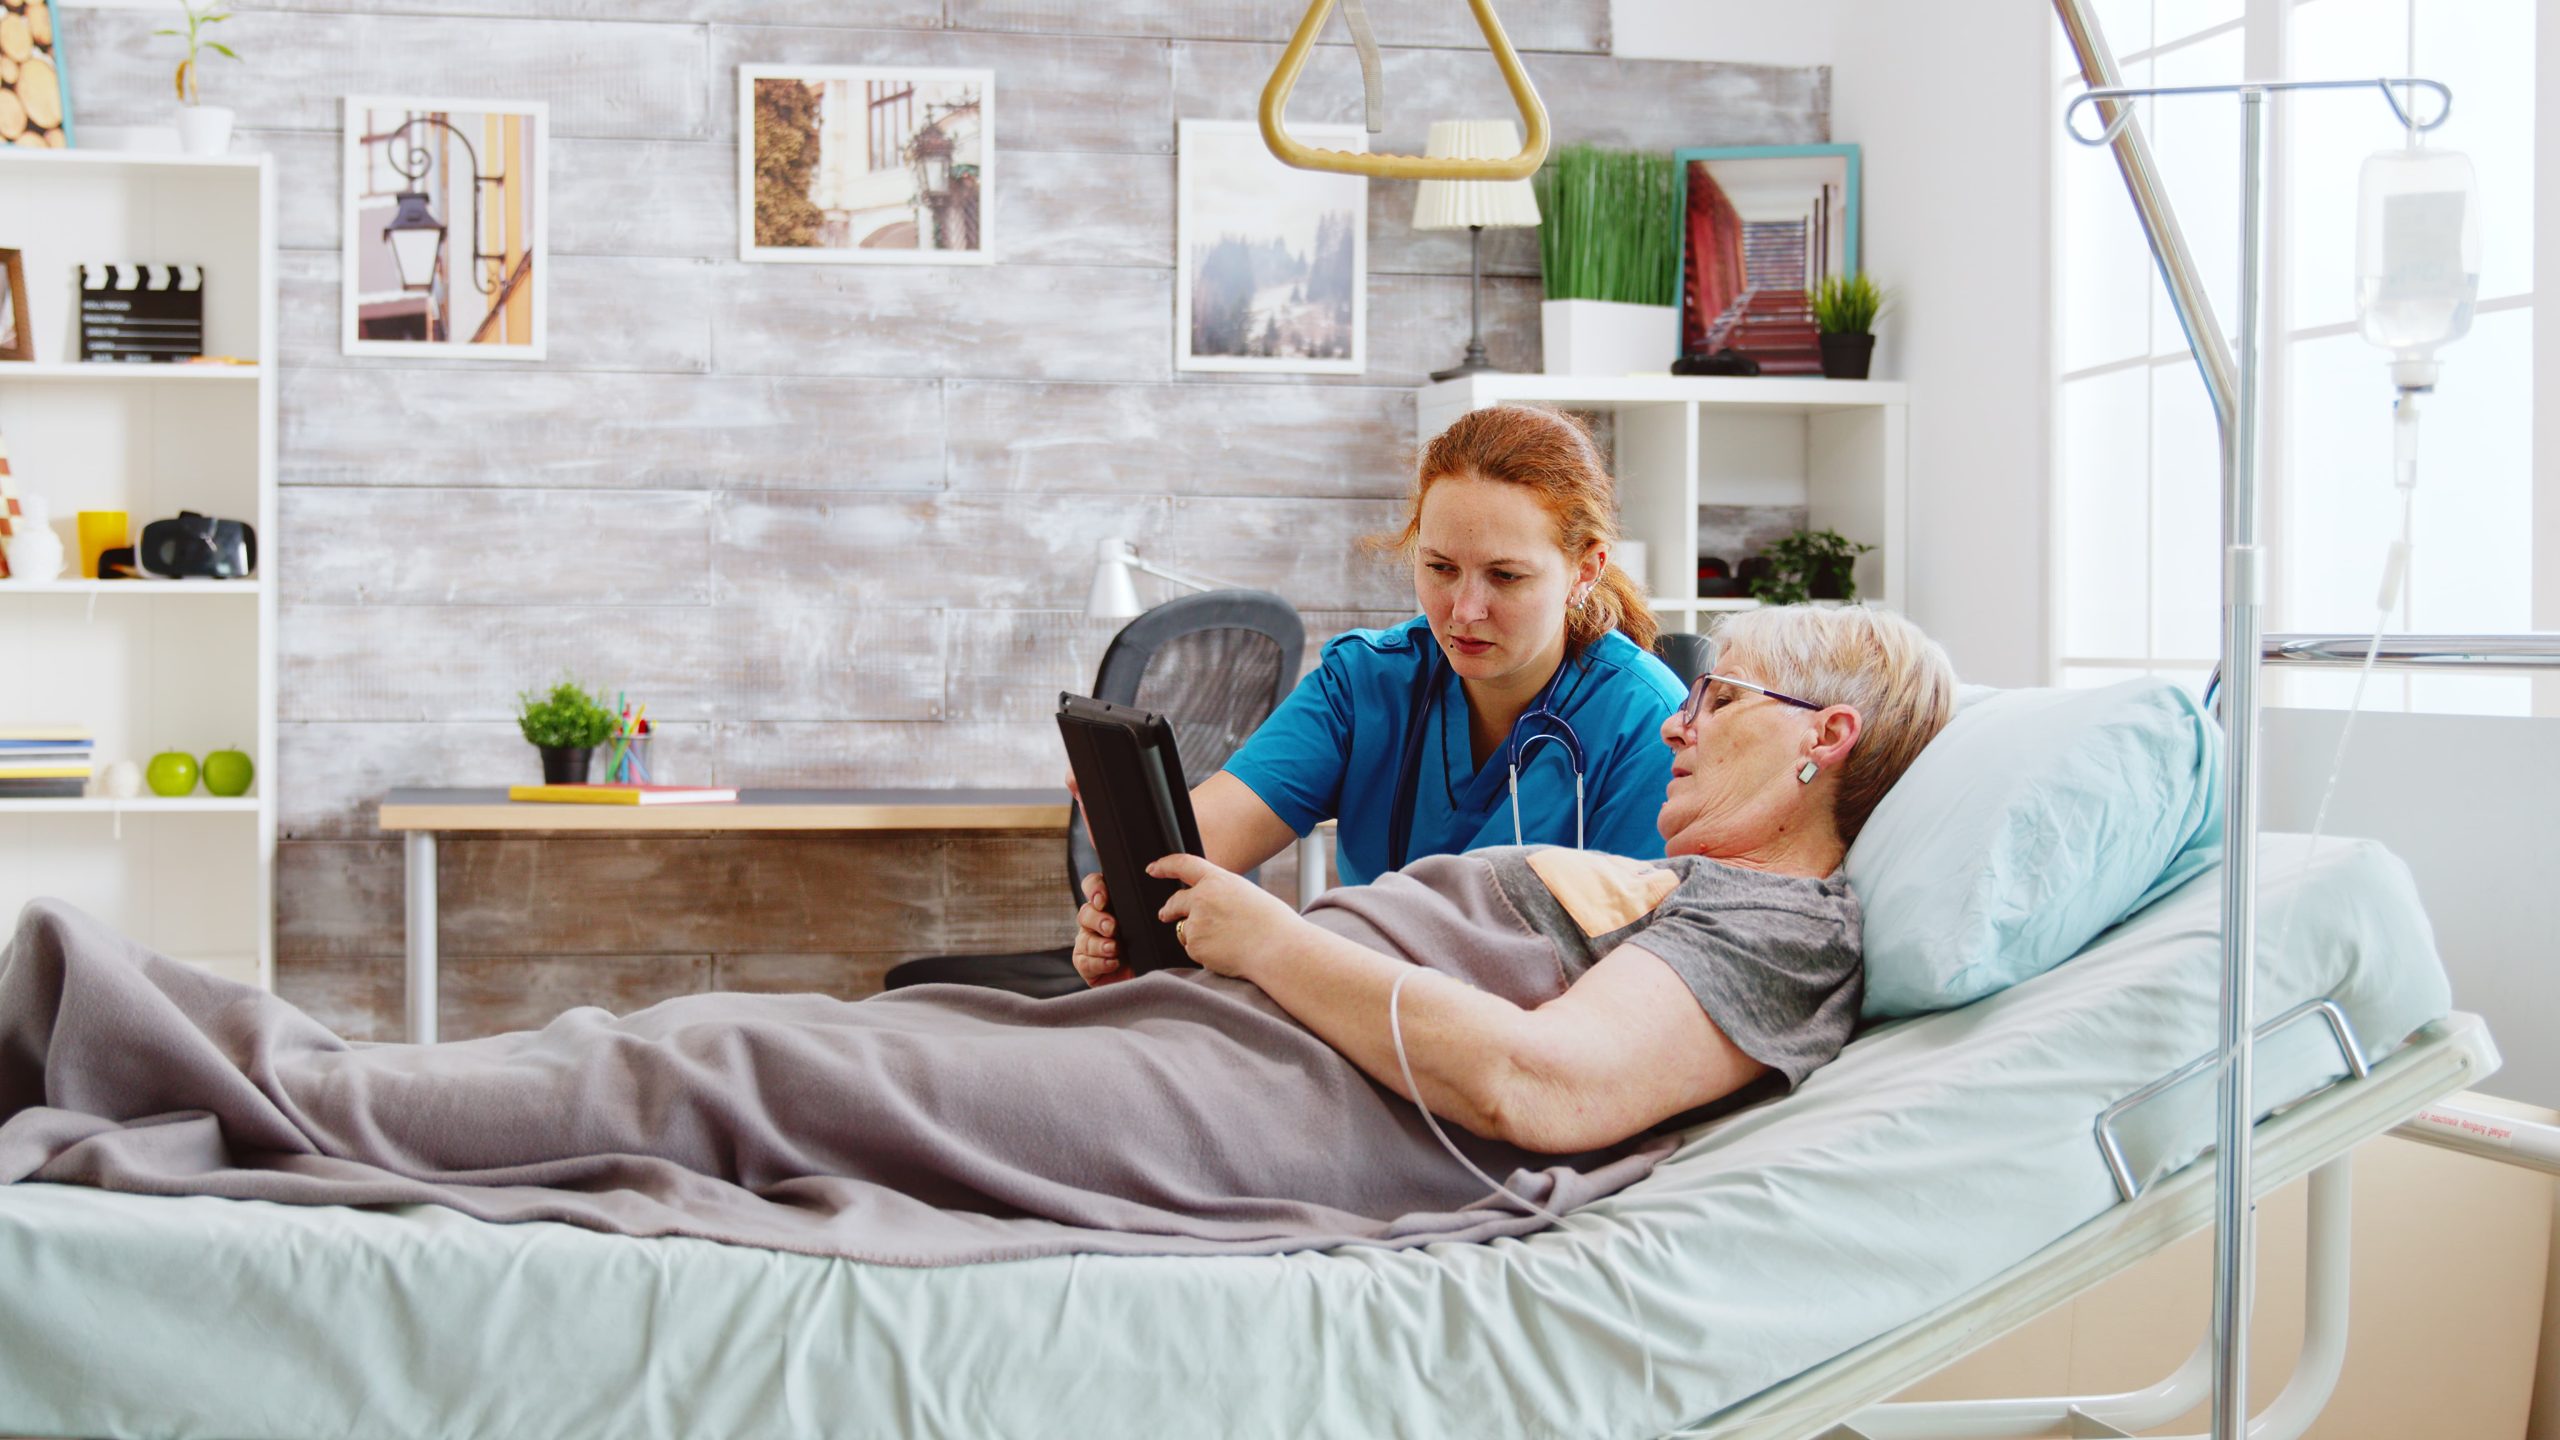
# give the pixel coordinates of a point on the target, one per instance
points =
(44, 772)
(621, 794)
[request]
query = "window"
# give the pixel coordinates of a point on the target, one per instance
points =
(890, 119)
(2138, 475)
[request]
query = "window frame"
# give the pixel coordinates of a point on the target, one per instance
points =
(2266, 30)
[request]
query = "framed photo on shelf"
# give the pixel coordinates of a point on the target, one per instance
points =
(447, 222)
(1760, 227)
(863, 164)
(35, 106)
(17, 327)
(1271, 264)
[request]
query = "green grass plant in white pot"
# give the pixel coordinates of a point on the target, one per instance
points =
(1609, 249)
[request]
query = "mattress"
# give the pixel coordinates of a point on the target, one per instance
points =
(1934, 1155)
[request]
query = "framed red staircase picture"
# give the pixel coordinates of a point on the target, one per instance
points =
(1760, 227)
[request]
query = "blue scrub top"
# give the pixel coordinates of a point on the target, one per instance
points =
(1332, 749)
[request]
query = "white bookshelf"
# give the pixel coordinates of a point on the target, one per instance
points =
(136, 589)
(1834, 448)
(89, 372)
(146, 665)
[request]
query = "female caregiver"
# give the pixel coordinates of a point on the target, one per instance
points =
(1530, 665)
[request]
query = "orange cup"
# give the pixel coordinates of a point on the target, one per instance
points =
(100, 531)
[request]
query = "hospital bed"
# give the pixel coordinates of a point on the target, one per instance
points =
(1791, 1264)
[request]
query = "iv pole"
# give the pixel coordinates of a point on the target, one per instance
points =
(2243, 593)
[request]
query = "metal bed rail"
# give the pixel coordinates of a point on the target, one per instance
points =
(2350, 1050)
(2525, 652)
(2464, 1122)
(2538, 650)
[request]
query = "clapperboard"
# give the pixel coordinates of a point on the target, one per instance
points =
(141, 313)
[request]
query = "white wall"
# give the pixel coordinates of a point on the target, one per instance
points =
(1744, 32)
(2546, 345)
(1949, 106)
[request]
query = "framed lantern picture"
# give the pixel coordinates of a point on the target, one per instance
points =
(1760, 227)
(1271, 264)
(852, 164)
(447, 222)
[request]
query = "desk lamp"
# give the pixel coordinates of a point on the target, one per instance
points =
(1474, 204)
(1115, 597)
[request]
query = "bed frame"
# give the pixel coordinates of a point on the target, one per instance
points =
(1837, 1400)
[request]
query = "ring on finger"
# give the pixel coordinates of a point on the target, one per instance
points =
(1181, 933)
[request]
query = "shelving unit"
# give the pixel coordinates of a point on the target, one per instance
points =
(133, 587)
(146, 665)
(1835, 449)
(89, 372)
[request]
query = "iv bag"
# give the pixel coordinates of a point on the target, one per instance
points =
(2417, 250)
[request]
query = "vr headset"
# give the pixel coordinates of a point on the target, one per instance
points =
(191, 547)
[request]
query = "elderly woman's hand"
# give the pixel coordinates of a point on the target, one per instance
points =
(1097, 955)
(1221, 918)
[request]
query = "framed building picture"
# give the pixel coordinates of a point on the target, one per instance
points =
(1271, 264)
(1760, 227)
(447, 221)
(851, 164)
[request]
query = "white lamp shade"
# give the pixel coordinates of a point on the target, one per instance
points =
(413, 253)
(1459, 204)
(1113, 596)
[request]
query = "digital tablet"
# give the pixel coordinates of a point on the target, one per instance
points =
(1138, 809)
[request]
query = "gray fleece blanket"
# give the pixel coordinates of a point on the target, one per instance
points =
(1178, 1114)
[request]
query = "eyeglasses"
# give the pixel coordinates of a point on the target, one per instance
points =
(1698, 696)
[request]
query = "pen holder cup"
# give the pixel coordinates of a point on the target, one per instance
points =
(636, 768)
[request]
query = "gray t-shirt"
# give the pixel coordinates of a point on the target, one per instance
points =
(1773, 959)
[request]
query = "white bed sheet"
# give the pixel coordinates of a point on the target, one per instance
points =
(1934, 1154)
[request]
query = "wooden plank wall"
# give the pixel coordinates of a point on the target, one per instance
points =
(834, 522)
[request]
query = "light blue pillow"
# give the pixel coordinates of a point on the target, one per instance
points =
(2034, 821)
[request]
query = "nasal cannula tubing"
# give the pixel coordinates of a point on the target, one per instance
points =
(1395, 1032)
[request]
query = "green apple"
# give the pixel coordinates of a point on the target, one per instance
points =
(228, 772)
(171, 773)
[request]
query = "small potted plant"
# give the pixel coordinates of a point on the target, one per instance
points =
(203, 129)
(1845, 308)
(566, 725)
(1809, 565)
(1609, 249)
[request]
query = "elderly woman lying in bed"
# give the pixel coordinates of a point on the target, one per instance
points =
(1228, 1110)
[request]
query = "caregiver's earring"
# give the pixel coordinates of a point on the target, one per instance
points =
(1805, 773)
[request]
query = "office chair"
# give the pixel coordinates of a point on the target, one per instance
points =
(1214, 665)
(1688, 655)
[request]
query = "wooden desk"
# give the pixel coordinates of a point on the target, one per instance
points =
(420, 815)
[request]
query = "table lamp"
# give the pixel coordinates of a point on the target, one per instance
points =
(1474, 204)
(1114, 597)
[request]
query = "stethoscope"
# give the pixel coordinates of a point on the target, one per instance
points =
(1539, 722)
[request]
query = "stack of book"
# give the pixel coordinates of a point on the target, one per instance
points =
(44, 762)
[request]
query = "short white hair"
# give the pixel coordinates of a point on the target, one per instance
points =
(1867, 658)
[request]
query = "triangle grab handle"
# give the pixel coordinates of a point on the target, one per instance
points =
(1284, 78)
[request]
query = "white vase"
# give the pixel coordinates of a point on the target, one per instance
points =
(204, 129)
(35, 552)
(1606, 337)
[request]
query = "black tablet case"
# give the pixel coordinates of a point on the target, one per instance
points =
(1139, 810)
